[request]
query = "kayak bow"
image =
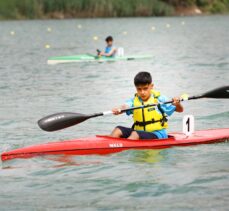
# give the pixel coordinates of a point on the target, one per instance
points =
(102, 145)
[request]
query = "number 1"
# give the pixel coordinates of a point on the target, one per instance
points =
(188, 124)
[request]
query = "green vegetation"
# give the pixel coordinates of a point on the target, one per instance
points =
(31, 9)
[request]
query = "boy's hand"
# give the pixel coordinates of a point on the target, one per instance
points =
(98, 52)
(176, 101)
(117, 111)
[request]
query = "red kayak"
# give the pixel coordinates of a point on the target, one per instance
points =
(102, 145)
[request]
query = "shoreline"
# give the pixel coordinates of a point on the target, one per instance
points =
(189, 11)
(179, 11)
(42, 12)
(75, 18)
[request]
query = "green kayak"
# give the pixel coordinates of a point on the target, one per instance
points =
(91, 58)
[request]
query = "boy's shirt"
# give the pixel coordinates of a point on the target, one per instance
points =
(167, 108)
(108, 49)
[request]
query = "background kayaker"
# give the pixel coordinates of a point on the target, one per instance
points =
(151, 122)
(110, 50)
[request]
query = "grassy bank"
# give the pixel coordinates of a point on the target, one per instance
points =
(33, 9)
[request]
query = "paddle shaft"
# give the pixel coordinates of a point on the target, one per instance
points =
(66, 119)
(146, 106)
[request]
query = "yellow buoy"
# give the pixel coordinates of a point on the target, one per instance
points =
(125, 32)
(12, 33)
(167, 25)
(49, 29)
(153, 28)
(47, 46)
(95, 38)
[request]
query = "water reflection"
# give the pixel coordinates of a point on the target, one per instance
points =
(147, 156)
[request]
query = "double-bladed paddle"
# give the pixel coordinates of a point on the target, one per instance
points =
(63, 120)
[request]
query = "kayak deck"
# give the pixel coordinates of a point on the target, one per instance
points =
(91, 58)
(102, 145)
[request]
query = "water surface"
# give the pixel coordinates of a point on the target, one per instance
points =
(190, 55)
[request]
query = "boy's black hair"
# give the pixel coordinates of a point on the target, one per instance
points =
(142, 78)
(109, 38)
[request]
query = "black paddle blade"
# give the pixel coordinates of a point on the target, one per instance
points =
(222, 92)
(60, 121)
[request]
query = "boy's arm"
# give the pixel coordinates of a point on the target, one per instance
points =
(113, 51)
(171, 107)
(108, 54)
(128, 104)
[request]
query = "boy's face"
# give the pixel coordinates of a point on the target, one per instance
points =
(109, 43)
(144, 91)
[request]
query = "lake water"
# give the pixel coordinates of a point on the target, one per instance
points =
(190, 55)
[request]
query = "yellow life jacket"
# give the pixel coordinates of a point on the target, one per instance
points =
(149, 119)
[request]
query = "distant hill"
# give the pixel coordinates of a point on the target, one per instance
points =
(36, 9)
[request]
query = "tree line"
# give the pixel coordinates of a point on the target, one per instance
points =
(35, 9)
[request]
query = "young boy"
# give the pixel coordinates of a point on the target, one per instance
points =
(150, 122)
(110, 50)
